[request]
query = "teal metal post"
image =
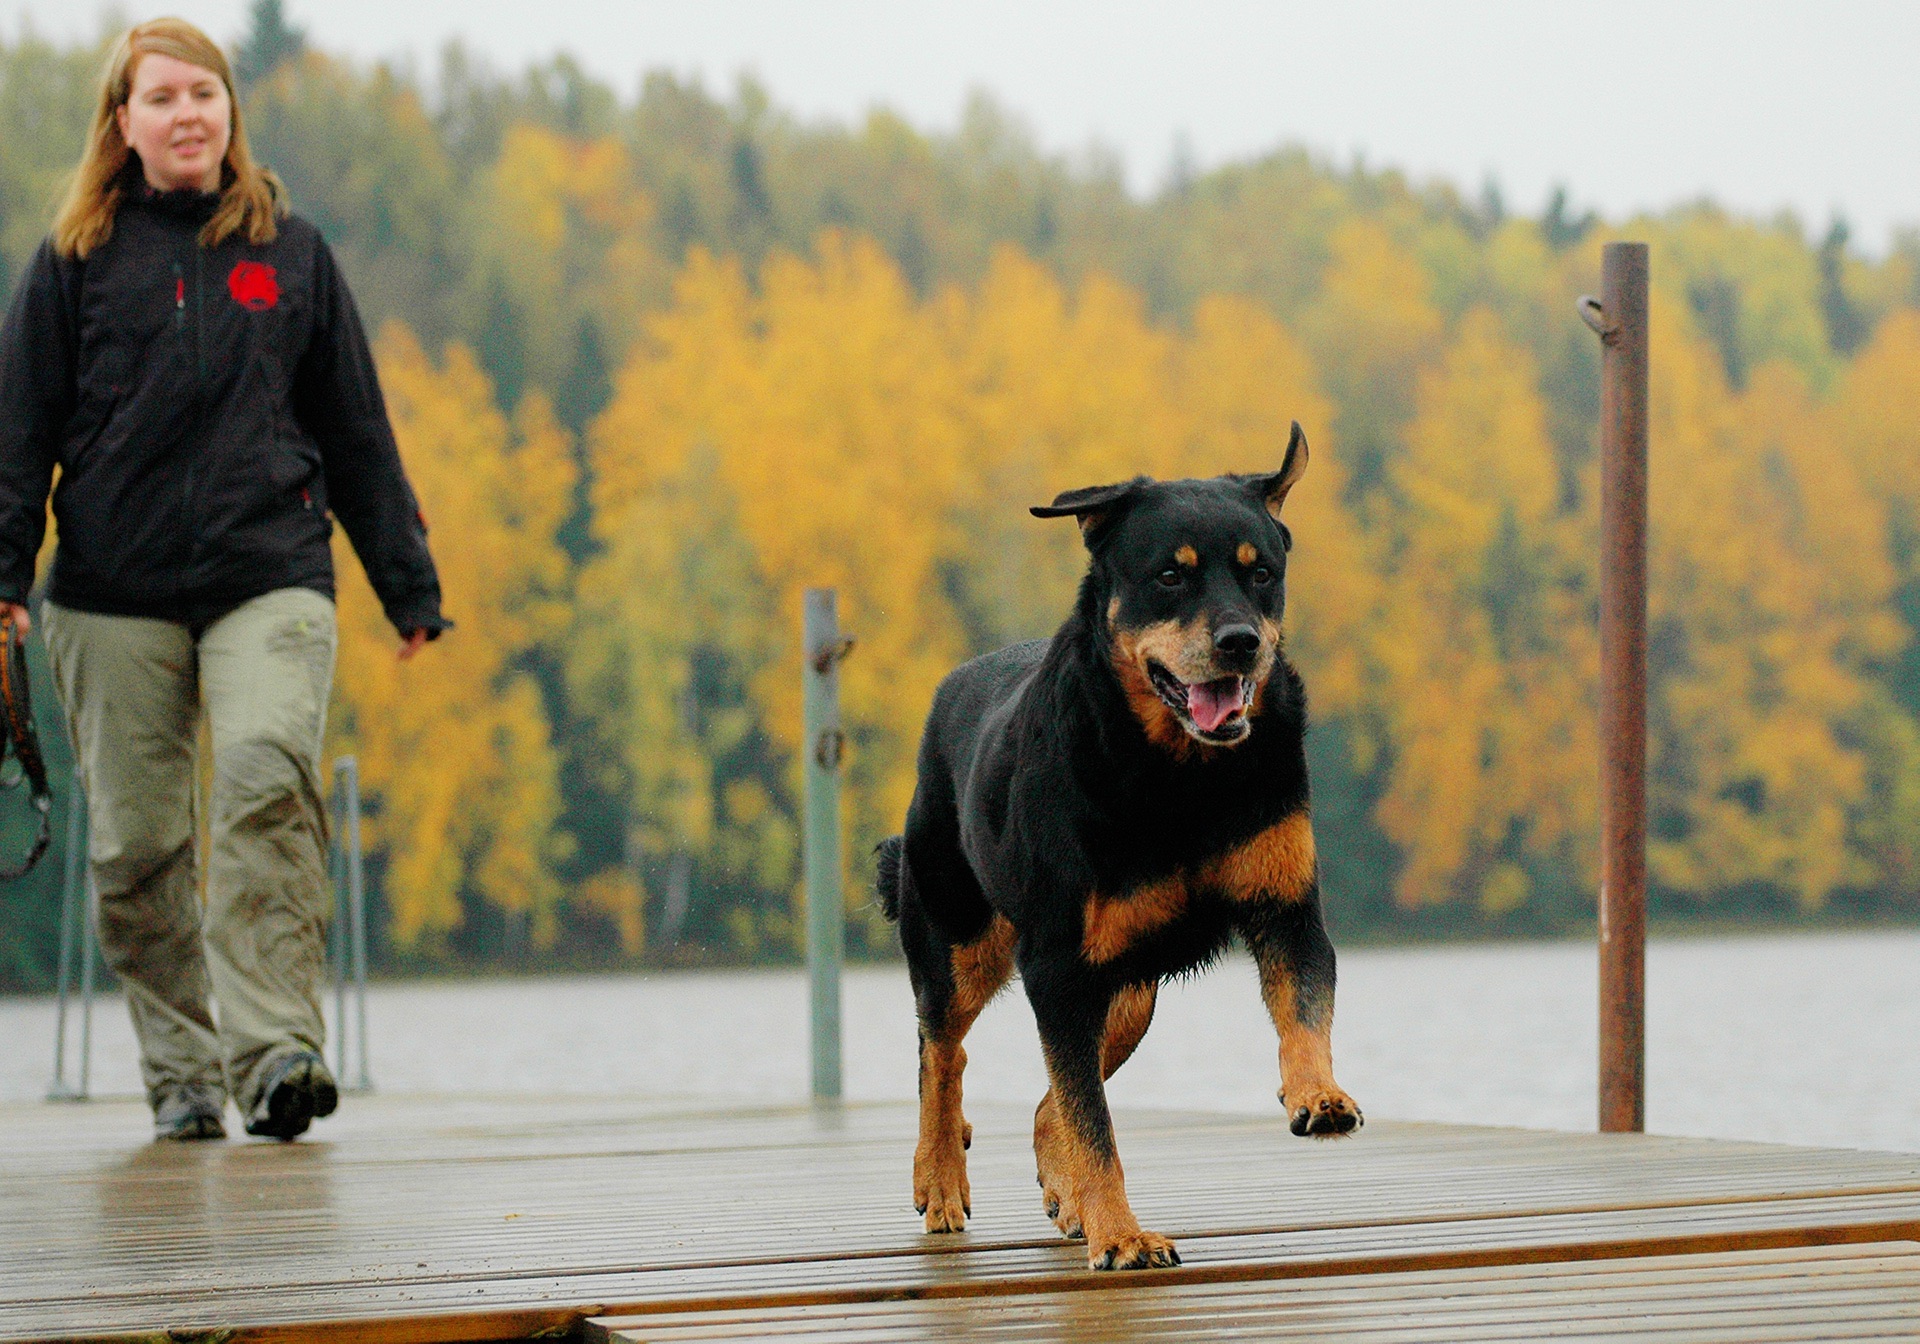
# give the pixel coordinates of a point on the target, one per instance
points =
(823, 744)
(76, 928)
(350, 921)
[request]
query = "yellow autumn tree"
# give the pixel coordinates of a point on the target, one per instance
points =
(454, 746)
(1484, 654)
(1874, 421)
(568, 241)
(760, 444)
(1764, 605)
(1371, 329)
(1241, 380)
(1060, 391)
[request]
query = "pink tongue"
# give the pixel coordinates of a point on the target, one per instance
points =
(1212, 703)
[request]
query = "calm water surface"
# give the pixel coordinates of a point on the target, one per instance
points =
(1798, 1039)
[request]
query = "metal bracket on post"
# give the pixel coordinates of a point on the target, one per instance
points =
(350, 922)
(826, 648)
(1619, 317)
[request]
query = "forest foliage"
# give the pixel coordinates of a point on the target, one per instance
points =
(659, 363)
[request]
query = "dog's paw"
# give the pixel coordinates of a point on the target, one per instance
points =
(941, 1192)
(1061, 1211)
(947, 1210)
(1134, 1250)
(1322, 1113)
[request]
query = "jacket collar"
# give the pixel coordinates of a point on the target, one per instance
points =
(188, 204)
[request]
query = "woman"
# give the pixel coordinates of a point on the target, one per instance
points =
(185, 351)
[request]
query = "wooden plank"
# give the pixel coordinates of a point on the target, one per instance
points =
(428, 1219)
(1845, 1294)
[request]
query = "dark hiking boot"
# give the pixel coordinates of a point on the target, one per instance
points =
(298, 1090)
(190, 1111)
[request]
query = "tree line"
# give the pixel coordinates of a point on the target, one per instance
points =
(658, 363)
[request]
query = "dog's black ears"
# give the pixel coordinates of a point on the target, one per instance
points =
(1091, 505)
(1272, 488)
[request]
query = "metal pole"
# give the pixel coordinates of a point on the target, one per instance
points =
(73, 925)
(88, 936)
(357, 914)
(826, 917)
(336, 872)
(1621, 320)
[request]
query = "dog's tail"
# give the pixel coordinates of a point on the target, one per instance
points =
(890, 871)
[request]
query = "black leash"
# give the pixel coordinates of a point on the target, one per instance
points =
(16, 718)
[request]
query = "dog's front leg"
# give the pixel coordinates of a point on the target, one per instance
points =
(1079, 1164)
(1290, 945)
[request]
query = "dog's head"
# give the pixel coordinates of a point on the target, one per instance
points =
(1189, 578)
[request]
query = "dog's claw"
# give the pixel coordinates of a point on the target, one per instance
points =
(1329, 1116)
(1140, 1250)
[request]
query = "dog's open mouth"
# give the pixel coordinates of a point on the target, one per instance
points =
(1216, 709)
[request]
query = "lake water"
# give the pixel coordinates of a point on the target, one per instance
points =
(1811, 1039)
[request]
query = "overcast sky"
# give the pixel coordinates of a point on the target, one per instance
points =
(1764, 105)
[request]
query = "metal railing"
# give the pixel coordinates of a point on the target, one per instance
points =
(349, 924)
(79, 939)
(76, 938)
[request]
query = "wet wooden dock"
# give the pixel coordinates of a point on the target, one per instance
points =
(411, 1219)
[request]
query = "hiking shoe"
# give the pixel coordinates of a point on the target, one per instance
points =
(188, 1112)
(298, 1090)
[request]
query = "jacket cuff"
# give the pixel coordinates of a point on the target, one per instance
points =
(419, 614)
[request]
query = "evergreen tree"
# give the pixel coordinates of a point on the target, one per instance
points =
(1847, 327)
(270, 43)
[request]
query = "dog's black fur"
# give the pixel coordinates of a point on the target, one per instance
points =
(1083, 812)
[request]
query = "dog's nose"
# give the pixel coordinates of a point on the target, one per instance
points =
(1236, 641)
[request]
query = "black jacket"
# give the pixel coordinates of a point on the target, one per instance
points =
(209, 409)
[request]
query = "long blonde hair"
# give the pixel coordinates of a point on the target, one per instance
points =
(251, 197)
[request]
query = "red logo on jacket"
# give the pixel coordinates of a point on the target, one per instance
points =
(253, 286)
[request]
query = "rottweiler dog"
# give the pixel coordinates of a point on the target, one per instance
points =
(1108, 808)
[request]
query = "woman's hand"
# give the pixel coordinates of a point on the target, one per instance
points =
(21, 620)
(412, 643)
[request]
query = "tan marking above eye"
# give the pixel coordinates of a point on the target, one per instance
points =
(1187, 556)
(1247, 553)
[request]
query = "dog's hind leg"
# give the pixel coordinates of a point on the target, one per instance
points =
(1128, 1017)
(1073, 1131)
(952, 983)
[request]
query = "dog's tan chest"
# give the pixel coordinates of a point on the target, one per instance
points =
(1278, 864)
(1114, 924)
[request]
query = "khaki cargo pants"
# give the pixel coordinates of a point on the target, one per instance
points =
(133, 690)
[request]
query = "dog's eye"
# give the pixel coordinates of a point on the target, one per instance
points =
(1170, 578)
(1262, 575)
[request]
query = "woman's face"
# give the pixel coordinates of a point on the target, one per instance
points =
(178, 119)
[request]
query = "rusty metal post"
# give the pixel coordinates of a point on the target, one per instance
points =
(1620, 316)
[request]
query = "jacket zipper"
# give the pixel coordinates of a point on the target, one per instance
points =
(199, 391)
(199, 316)
(179, 298)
